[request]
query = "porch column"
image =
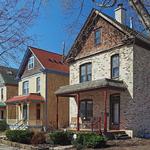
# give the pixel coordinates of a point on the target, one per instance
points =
(28, 112)
(105, 110)
(21, 112)
(78, 111)
(57, 112)
(7, 117)
(17, 112)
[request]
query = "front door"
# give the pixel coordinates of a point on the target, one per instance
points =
(114, 112)
(25, 112)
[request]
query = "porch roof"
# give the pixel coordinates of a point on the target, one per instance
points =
(26, 98)
(2, 104)
(91, 85)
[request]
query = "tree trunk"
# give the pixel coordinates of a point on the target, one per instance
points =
(142, 12)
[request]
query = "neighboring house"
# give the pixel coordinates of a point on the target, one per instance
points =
(8, 87)
(40, 74)
(109, 76)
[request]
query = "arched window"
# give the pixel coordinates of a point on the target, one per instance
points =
(115, 66)
(86, 72)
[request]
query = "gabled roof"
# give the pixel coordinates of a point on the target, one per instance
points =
(48, 60)
(8, 75)
(123, 28)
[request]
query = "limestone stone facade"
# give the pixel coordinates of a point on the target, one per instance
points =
(133, 71)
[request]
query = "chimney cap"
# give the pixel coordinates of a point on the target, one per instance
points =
(120, 6)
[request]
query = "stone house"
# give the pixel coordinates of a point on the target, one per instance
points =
(8, 87)
(109, 76)
(40, 74)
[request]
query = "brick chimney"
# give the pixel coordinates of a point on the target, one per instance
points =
(120, 14)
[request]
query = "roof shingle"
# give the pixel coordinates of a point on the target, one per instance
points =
(50, 60)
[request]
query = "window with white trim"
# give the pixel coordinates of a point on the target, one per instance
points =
(38, 84)
(25, 88)
(31, 63)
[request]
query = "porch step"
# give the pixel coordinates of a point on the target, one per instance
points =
(117, 135)
(122, 137)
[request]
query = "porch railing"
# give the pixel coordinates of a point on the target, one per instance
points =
(11, 121)
(96, 124)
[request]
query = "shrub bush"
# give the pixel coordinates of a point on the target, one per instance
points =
(61, 137)
(3, 125)
(89, 140)
(38, 138)
(21, 136)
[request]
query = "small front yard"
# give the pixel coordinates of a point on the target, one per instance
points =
(131, 144)
(26, 138)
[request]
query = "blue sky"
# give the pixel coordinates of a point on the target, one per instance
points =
(49, 28)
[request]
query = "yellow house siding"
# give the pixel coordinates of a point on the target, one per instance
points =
(32, 84)
(11, 91)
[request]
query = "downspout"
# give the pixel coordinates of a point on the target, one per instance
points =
(46, 98)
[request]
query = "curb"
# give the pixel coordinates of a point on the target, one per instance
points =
(31, 147)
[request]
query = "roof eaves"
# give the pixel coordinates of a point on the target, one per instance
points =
(107, 18)
(22, 63)
(36, 57)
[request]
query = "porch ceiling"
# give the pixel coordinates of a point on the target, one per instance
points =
(91, 85)
(26, 98)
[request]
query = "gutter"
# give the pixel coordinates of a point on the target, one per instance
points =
(46, 98)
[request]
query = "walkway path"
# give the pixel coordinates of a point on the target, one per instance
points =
(5, 147)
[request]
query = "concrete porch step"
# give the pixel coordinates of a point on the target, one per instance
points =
(118, 135)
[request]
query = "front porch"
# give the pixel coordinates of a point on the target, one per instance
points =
(25, 111)
(94, 105)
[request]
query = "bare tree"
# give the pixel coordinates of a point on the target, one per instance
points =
(139, 8)
(15, 18)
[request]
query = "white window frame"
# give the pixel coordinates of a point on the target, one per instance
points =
(31, 63)
(38, 87)
(26, 91)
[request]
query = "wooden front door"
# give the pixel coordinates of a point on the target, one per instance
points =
(25, 112)
(114, 112)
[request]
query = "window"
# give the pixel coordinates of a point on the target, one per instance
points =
(25, 87)
(115, 66)
(38, 112)
(2, 94)
(86, 109)
(31, 63)
(85, 72)
(38, 84)
(97, 36)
